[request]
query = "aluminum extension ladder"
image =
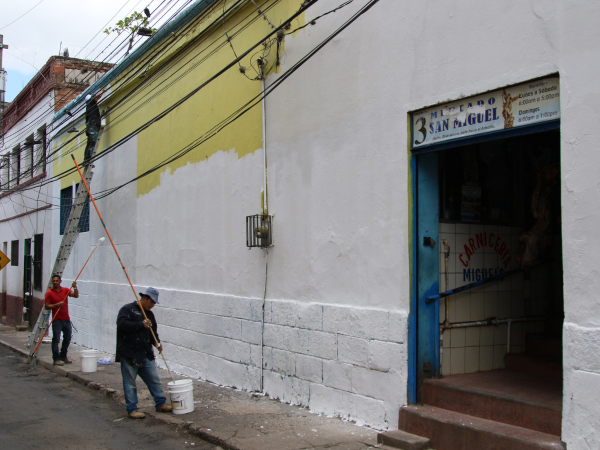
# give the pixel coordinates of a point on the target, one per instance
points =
(66, 246)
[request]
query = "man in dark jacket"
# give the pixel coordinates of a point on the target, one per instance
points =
(134, 352)
(93, 121)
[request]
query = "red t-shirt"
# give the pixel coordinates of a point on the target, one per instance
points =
(53, 297)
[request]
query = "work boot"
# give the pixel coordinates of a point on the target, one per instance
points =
(58, 362)
(137, 415)
(66, 360)
(164, 408)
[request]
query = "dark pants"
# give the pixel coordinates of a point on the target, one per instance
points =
(92, 136)
(58, 326)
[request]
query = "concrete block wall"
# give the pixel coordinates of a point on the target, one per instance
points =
(335, 360)
(581, 349)
(341, 361)
(212, 337)
(94, 313)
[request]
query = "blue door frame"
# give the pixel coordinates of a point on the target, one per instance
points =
(424, 330)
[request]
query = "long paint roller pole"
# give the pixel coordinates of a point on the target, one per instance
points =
(76, 278)
(121, 262)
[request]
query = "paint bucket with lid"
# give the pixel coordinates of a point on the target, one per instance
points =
(89, 361)
(181, 393)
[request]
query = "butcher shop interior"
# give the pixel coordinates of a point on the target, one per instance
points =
(500, 214)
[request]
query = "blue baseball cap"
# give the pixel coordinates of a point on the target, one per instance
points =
(152, 293)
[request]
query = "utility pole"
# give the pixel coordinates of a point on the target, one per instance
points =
(2, 47)
(2, 90)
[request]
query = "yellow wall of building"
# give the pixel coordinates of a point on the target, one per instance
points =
(204, 110)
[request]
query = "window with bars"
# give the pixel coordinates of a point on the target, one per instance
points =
(24, 161)
(40, 151)
(66, 202)
(4, 172)
(15, 166)
(27, 157)
(14, 253)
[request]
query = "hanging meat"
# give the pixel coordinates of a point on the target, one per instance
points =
(535, 244)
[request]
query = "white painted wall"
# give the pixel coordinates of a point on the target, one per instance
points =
(338, 286)
(35, 197)
(581, 208)
(337, 154)
(41, 113)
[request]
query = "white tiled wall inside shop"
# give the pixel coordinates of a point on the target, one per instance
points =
(483, 348)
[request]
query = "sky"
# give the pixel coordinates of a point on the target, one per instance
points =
(53, 25)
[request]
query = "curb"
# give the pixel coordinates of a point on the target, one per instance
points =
(13, 348)
(118, 397)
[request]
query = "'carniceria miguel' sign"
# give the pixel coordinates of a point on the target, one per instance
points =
(479, 242)
(511, 107)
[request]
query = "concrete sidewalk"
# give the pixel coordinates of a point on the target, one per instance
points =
(230, 418)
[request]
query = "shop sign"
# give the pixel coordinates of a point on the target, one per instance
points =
(511, 107)
(482, 240)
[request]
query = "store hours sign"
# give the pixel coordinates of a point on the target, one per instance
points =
(515, 106)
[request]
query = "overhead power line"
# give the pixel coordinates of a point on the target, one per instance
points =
(185, 98)
(105, 25)
(248, 106)
(134, 70)
(234, 116)
(133, 73)
(176, 58)
(76, 137)
(13, 134)
(22, 15)
(38, 119)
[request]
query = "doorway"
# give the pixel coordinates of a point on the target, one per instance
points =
(4, 288)
(27, 281)
(488, 240)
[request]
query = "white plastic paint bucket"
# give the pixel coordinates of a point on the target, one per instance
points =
(182, 396)
(89, 361)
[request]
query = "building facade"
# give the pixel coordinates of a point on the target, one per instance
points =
(400, 154)
(25, 196)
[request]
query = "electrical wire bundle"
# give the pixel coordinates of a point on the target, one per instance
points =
(133, 73)
(139, 68)
(161, 12)
(272, 38)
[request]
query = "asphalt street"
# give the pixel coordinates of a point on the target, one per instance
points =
(46, 411)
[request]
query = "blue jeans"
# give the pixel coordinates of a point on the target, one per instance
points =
(149, 375)
(58, 326)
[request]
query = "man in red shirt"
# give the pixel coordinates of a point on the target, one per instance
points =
(57, 301)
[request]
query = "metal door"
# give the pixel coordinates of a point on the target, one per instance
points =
(427, 267)
(27, 287)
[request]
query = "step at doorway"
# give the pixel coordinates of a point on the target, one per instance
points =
(501, 409)
(488, 307)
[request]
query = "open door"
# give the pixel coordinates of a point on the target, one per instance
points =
(487, 302)
(27, 278)
(427, 263)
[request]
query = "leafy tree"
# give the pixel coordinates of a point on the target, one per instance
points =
(130, 24)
